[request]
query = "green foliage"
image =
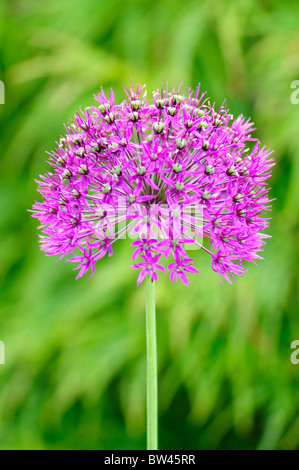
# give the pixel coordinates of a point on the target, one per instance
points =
(75, 350)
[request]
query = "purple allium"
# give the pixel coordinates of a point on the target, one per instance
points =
(172, 170)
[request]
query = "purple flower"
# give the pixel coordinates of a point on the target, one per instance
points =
(148, 266)
(172, 170)
(180, 268)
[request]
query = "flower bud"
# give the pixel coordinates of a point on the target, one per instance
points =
(177, 167)
(135, 104)
(160, 104)
(209, 170)
(202, 125)
(74, 222)
(171, 111)
(94, 148)
(206, 195)
(205, 145)
(110, 118)
(100, 212)
(133, 116)
(179, 186)
(188, 124)
(181, 143)
(103, 108)
(61, 161)
(200, 113)
(80, 152)
(66, 174)
(241, 212)
(158, 127)
(116, 170)
(231, 171)
(106, 188)
(83, 169)
(131, 198)
(113, 147)
(75, 193)
(76, 140)
(141, 170)
(177, 99)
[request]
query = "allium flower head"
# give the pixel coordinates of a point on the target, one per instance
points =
(173, 171)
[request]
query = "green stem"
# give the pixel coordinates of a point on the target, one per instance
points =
(152, 384)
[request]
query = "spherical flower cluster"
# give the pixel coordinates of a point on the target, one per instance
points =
(172, 171)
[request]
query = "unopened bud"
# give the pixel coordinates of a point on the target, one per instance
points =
(160, 104)
(80, 152)
(83, 170)
(206, 195)
(106, 188)
(179, 186)
(158, 127)
(200, 113)
(110, 118)
(205, 145)
(131, 198)
(103, 108)
(231, 171)
(135, 104)
(116, 170)
(60, 161)
(75, 193)
(66, 174)
(171, 111)
(133, 116)
(177, 167)
(74, 222)
(202, 125)
(181, 143)
(113, 147)
(177, 99)
(241, 212)
(209, 170)
(100, 212)
(94, 148)
(141, 170)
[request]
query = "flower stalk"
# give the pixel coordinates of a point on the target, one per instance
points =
(152, 383)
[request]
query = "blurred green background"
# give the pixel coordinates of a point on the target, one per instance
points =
(74, 376)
